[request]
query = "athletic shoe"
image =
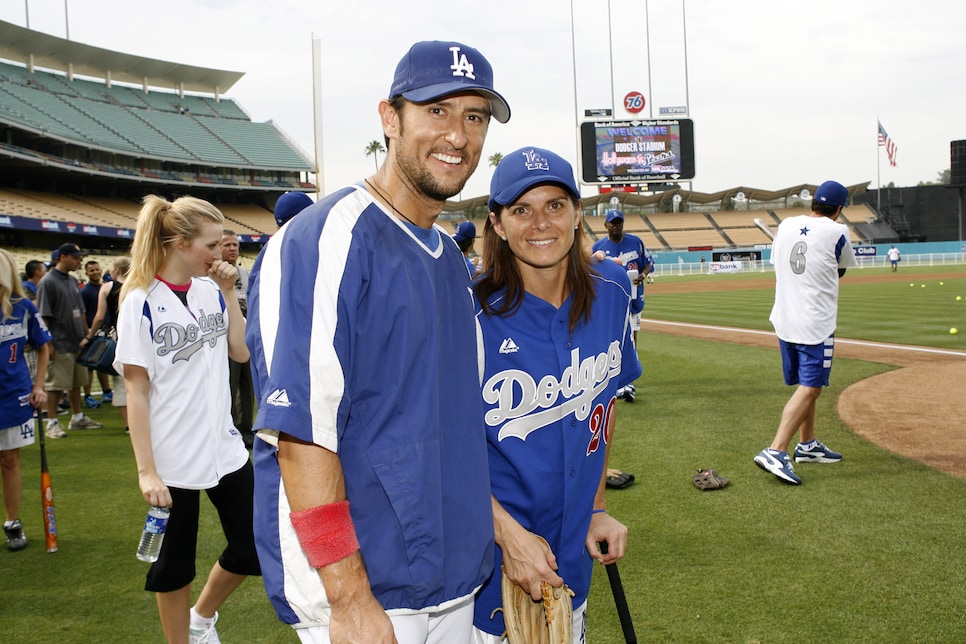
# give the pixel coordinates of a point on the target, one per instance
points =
(108, 397)
(92, 402)
(63, 406)
(630, 393)
(817, 453)
(779, 464)
(205, 635)
(84, 423)
(16, 540)
(54, 430)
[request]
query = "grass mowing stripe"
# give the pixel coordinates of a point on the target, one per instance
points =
(891, 312)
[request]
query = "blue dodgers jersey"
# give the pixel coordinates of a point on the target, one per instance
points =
(363, 341)
(24, 326)
(633, 255)
(548, 402)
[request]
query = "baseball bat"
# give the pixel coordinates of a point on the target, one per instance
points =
(46, 492)
(764, 228)
(617, 588)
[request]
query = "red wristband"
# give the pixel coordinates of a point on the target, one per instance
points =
(326, 533)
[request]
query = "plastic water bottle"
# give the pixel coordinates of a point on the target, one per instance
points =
(153, 534)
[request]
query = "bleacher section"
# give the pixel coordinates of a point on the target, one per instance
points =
(740, 227)
(637, 225)
(159, 125)
(246, 219)
(720, 229)
(684, 229)
(792, 212)
(48, 205)
(255, 141)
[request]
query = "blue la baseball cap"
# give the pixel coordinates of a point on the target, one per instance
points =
(289, 205)
(524, 168)
(614, 214)
(433, 69)
(466, 230)
(67, 249)
(833, 193)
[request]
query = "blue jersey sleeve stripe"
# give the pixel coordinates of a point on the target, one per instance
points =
(839, 245)
(302, 274)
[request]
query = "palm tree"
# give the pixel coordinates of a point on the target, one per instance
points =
(495, 159)
(374, 148)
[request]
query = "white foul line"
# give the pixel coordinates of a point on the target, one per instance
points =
(861, 343)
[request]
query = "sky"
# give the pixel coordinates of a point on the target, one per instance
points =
(781, 93)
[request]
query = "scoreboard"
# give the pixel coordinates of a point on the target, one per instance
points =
(637, 151)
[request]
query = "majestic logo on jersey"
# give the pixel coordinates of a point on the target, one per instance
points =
(461, 66)
(185, 341)
(534, 161)
(509, 346)
(279, 398)
(524, 405)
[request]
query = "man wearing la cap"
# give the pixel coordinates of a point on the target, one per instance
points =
(810, 253)
(60, 304)
(372, 501)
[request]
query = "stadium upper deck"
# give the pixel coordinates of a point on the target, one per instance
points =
(56, 125)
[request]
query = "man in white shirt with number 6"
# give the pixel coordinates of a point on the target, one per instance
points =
(810, 253)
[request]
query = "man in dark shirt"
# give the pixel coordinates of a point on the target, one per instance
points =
(60, 304)
(89, 294)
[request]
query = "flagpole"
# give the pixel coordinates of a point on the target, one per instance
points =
(878, 178)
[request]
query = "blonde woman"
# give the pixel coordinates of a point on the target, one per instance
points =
(20, 325)
(178, 323)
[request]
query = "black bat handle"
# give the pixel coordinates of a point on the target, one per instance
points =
(617, 588)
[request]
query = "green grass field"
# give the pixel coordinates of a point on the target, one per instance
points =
(866, 550)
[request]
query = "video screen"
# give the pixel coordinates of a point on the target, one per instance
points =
(637, 151)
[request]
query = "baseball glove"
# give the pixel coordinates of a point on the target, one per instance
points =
(545, 622)
(708, 480)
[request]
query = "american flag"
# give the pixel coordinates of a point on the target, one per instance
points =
(889, 144)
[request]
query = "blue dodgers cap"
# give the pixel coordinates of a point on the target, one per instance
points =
(521, 170)
(466, 230)
(832, 193)
(289, 205)
(614, 214)
(434, 69)
(67, 249)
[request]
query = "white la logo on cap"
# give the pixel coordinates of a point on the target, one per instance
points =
(461, 66)
(536, 162)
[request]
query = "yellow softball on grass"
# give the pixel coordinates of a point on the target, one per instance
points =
(953, 331)
(959, 298)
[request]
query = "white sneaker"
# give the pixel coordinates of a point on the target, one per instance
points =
(85, 422)
(205, 635)
(54, 430)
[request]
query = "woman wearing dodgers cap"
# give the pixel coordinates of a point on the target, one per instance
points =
(557, 347)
